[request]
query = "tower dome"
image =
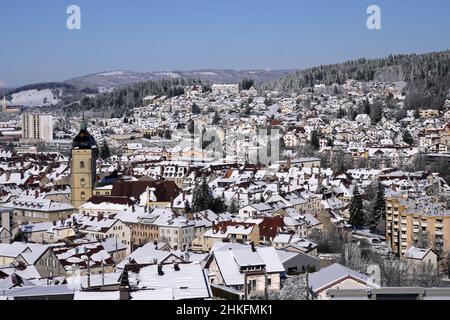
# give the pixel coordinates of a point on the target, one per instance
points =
(84, 140)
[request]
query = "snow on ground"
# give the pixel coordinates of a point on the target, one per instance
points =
(34, 98)
(169, 74)
(206, 73)
(112, 73)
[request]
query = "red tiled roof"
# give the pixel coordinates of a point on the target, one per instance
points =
(270, 225)
(165, 191)
(111, 199)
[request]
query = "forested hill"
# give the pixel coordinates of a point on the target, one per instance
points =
(427, 75)
(119, 101)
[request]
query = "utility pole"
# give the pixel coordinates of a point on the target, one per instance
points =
(103, 275)
(307, 282)
(266, 285)
(89, 272)
(245, 286)
(115, 253)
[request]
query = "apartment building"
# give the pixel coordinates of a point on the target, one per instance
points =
(225, 88)
(428, 113)
(37, 127)
(417, 221)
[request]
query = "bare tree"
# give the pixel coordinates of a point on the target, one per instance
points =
(294, 288)
(426, 275)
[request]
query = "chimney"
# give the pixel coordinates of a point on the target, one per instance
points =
(184, 196)
(253, 246)
(176, 267)
(22, 175)
(36, 194)
(160, 271)
(187, 256)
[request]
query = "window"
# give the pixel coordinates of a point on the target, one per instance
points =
(83, 182)
(252, 285)
(83, 195)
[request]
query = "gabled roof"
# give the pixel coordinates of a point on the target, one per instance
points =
(335, 273)
(28, 251)
(417, 253)
(231, 257)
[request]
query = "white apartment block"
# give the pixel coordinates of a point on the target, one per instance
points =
(225, 88)
(37, 127)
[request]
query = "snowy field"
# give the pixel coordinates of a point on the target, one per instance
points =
(34, 98)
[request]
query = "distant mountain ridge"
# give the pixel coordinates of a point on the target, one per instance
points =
(74, 89)
(427, 76)
(121, 78)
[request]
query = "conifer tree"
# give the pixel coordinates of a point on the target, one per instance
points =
(187, 207)
(407, 137)
(105, 152)
(356, 210)
(315, 140)
(200, 197)
(379, 209)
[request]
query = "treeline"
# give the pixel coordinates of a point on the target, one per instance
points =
(118, 102)
(46, 85)
(427, 75)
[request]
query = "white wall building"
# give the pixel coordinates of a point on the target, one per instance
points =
(225, 88)
(37, 127)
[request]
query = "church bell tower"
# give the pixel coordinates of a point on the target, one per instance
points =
(83, 166)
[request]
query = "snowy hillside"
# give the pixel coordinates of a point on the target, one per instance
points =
(34, 98)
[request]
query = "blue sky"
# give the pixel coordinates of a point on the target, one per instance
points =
(150, 35)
